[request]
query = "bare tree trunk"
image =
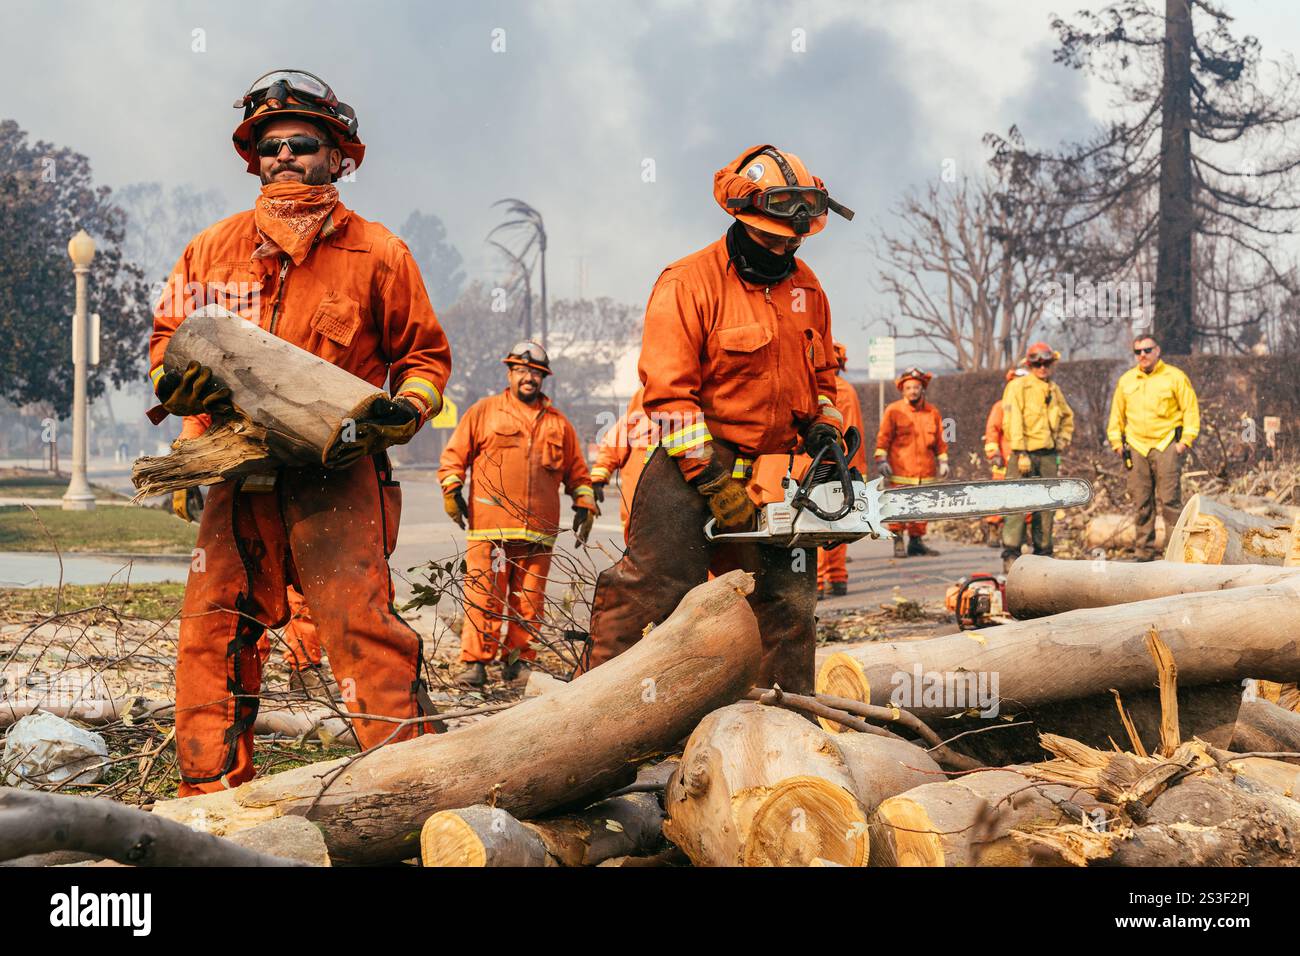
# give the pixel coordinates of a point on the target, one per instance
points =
(1209, 532)
(1174, 323)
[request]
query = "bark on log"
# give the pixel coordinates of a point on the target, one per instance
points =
(1038, 586)
(577, 741)
(969, 821)
(762, 786)
(1209, 532)
(1263, 727)
(489, 836)
(33, 822)
(1113, 530)
(1080, 653)
(290, 404)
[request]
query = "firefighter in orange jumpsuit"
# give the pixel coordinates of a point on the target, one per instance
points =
(311, 271)
(997, 450)
(624, 448)
(736, 362)
(518, 449)
(910, 450)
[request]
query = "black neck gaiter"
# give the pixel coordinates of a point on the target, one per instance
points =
(753, 263)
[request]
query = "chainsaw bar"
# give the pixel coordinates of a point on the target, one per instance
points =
(976, 499)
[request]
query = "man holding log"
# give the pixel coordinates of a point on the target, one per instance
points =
(1039, 425)
(517, 448)
(1154, 418)
(310, 271)
(737, 361)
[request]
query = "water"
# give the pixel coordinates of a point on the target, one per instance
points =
(41, 569)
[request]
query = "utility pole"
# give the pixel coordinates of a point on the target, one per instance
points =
(79, 497)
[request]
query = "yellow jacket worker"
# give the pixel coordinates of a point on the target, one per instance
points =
(1154, 417)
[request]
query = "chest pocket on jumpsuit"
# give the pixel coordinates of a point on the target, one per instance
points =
(552, 447)
(337, 319)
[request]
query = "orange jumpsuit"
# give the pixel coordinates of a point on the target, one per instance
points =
(301, 642)
(625, 448)
(517, 456)
(357, 300)
(911, 438)
(743, 370)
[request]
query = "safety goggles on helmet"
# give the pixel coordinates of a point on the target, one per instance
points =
(298, 145)
(916, 373)
(280, 88)
(530, 354)
(799, 205)
(1040, 358)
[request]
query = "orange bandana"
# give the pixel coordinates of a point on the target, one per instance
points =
(290, 215)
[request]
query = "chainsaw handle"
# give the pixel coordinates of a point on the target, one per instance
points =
(852, 440)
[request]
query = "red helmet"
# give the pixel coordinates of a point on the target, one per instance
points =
(913, 372)
(295, 93)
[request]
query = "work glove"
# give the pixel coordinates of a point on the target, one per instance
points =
(730, 503)
(377, 423)
(453, 502)
(583, 519)
(997, 461)
(192, 392)
(820, 436)
(944, 469)
(1024, 463)
(598, 489)
(187, 503)
(882, 466)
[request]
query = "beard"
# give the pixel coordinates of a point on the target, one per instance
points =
(317, 176)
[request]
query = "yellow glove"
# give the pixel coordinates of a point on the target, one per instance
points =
(1024, 463)
(179, 508)
(453, 502)
(729, 501)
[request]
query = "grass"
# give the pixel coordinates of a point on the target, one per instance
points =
(36, 485)
(117, 530)
(153, 602)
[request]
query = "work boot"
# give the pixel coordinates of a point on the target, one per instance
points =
(510, 670)
(917, 547)
(1008, 559)
(839, 588)
(900, 547)
(475, 675)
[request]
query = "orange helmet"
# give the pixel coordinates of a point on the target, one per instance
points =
(773, 191)
(1041, 353)
(530, 355)
(841, 356)
(913, 372)
(295, 93)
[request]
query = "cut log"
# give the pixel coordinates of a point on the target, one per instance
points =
(762, 786)
(1209, 532)
(1078, 654)
(969, 821)
(1264, 727)
(629, 825)
(290, 405)
(1038, 586)
(577, 741)
(32, 823)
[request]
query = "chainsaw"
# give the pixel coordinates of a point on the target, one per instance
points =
(834, 505)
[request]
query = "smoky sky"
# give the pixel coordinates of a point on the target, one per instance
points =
(585, 98)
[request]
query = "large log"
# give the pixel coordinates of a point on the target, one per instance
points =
(1038, 586)
(627, 825)
(1209, 532)
(576, 741)
(1114, 530)
(1264, 727)
(1215, 637)
(762, 786)
(290, 405)
(969, 821)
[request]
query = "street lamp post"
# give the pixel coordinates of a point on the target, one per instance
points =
(79, 497)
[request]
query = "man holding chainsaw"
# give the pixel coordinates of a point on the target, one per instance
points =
(911, 450)
(737, 361)
(1154, 418)
(311, 271)
(1039, 424)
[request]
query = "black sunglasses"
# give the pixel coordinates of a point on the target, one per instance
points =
(298, 145)
(1144, 351)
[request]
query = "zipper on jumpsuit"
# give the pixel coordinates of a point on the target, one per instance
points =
(279, 294)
